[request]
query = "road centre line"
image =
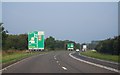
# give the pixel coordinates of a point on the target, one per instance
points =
(64, 68)
(54, 56)
(57, 61)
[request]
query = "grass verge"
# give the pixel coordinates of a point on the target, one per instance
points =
(8, 58)
(97, 55)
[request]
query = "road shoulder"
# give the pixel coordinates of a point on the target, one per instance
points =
(94, 62)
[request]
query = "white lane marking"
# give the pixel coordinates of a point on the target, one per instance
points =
(98, 65)
(0, 72)
(64, 68)
(19, 62)
(57, 61)
(55, 57)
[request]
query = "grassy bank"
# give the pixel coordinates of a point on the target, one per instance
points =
(97, 55)
(17, 55)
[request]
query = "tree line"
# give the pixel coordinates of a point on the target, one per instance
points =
(52, 44)
(20, 42)
(109, 46)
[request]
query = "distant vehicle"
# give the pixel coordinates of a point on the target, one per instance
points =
(93, 50)
(77, 50)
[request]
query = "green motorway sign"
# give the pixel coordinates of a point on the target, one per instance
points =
(36, 40)
(70, 46)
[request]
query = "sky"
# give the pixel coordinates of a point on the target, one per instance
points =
(60, 0)
(119, 18)
(77, 21)
(0, 12)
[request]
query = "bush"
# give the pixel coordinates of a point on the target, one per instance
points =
(109, 46)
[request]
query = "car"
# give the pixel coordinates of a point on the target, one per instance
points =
(77, 50)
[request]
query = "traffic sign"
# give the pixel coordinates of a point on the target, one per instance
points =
(36, 40)
(70, 46)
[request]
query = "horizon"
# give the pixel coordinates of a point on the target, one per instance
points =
(75, 21)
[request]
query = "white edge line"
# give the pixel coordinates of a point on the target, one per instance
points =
(100, 59)
(17, 63)
(98, 65)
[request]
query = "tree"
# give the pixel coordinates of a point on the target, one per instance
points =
(50, 43)
(3, 35)
(17, 42)
(23, 41)
(77, 46)
(109, 46)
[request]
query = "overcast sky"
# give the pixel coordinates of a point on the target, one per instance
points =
(0, 12)
(77, 21)
(60, 0)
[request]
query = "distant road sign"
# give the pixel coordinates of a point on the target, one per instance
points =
(70, 46)
(84, 48)
(36, 40)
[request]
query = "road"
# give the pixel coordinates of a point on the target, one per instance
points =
(54, 62)
(113, 65)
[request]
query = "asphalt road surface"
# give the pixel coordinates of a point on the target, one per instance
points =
(54, 62)
(97, 61)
